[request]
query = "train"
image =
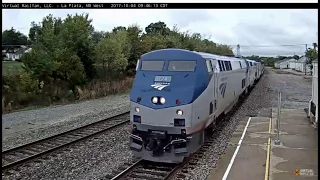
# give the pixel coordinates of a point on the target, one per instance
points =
(179, 95)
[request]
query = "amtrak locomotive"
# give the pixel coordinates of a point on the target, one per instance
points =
(178, 95)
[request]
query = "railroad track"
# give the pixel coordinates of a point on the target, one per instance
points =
(19, 155)
(141, 169)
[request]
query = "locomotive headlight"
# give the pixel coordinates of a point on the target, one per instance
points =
(154, 100)
(137, 109)
(162, 100)
(179, 112)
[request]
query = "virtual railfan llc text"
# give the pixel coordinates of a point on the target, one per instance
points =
(28, 5)
(23, 5)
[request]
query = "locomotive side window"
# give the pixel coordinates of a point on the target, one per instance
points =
(223, 66)
(152, 65)
(230, 65)
(211, 62)
(188, 66)
(220, 66)
(227, 65)
(209, 66)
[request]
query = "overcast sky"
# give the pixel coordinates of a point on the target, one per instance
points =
(231, 27)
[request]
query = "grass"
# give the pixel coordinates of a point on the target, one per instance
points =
(97, 89)
(93, 90)
(11, 66)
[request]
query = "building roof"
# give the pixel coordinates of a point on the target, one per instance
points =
(280, 61)
(302, 59)
(284, 60)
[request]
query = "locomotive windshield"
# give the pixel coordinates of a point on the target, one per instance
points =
(152, 65)
(182, 66)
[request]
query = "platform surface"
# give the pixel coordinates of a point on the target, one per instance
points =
(296, 158)
(250, 159)
(298, 149)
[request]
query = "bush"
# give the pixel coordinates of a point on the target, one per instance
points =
(19, 90)
(101, 88)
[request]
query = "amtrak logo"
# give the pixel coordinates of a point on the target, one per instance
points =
(222, 89)
(160, 86)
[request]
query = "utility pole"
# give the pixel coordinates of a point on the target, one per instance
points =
(238, 51)
(305, 64)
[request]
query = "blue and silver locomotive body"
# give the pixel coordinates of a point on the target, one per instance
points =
(176, 95)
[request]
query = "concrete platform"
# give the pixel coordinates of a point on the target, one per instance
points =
(298, 149)
(256, 156)
(245, 159)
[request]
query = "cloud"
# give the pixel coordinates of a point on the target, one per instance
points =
(184, 18)
(249, 28)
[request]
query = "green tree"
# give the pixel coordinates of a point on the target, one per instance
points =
(312, 53)
(152, 42)
(34, 31)
(253, 57)
(61, 50)
(13, 37)
(97, 36)
(134, 33)
(76, 36)
(111, 53)
(119, 28)
(158, 27)
(296, 57)
(41, 61)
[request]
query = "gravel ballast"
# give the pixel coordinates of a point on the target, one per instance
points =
(94, 158)
(90, 159)
(23, 127)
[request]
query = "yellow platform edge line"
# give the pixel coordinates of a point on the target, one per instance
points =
(266, 175)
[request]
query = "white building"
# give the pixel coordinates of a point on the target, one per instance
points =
(277, 64)
(292, 63)
(16, 53)
(302, 66)
(285, 64)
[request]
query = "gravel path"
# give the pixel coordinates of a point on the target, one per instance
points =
(296, 90)
(93, 159)
(27, 126)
